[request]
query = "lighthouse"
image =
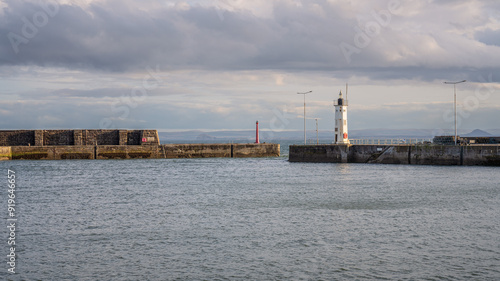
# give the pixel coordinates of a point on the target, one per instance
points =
(341, 120)
(257, 132)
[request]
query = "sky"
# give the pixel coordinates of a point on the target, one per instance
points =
(222, 65)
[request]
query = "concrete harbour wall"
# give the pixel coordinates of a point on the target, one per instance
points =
(195, 150)
(62, 152)
(488, 155)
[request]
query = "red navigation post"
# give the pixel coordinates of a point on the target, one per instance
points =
(257, 133)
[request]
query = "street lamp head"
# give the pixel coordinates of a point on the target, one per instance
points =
(455, 82)
(304, 93)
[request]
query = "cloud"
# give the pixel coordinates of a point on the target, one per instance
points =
(298, 35)
(489, 37)
(422, 115)
(88, 109)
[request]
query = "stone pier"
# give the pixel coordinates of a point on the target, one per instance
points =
(115, 144)
(468, 155)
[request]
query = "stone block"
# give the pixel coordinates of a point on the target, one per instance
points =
(78, 137)
(122, 137)
(38, 138)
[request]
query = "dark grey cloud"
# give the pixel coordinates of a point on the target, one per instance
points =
(110, 36)
(97, 37)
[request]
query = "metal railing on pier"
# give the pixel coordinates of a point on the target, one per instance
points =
(376, 141)
(390, 141)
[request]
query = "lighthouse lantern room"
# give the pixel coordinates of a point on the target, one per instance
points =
(341, 136)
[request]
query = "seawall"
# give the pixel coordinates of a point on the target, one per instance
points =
(169, 151)
(487, 155)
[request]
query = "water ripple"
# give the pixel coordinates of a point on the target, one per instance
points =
(254, 219)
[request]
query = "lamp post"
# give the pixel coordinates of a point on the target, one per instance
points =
(305, 142)
(455, 103)
(317, 135)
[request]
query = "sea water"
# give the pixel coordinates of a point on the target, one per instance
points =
(250, 219)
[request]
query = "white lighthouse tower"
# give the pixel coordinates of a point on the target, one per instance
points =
(341, 120)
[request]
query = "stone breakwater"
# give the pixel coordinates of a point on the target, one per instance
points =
(78, 137)
(115, 144)
(470, 155)
(168, 151)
